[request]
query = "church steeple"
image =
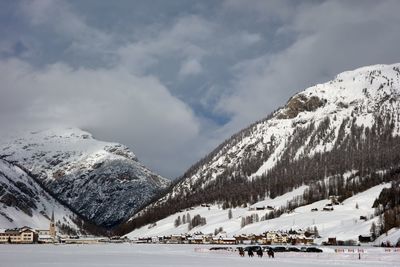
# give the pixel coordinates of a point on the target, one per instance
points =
(52, 229)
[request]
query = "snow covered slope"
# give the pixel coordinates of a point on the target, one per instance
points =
(343, 222)
(101, 181)
(24, 203)
(363, 95)
(337, 138)
(391, 238)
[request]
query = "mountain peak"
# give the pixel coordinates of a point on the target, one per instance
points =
(336, 137)
(361, 89)
(85, 173)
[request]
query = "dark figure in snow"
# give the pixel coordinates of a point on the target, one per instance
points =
(251, 254)
(241, 252)
(260, 253)
(270, 253)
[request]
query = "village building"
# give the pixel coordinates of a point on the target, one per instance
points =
(196, 239)
(24, 235)
(177, 239)
(242, 239)
(223, 239)
(331, 241)
(48, 235)
(200, 238)
(27, 235)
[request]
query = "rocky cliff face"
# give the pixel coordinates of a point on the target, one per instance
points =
(103, 182)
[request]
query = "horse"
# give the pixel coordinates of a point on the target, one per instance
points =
(250, 253)
(241, 252)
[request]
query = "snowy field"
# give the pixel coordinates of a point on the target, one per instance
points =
(180, 255)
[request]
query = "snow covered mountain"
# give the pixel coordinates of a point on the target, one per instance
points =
(25, 203)
(102, 182)
(340, 138)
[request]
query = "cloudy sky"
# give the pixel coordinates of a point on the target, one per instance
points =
(172, 79)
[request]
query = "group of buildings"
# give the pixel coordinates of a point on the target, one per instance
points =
(267, 238)
(27, 235)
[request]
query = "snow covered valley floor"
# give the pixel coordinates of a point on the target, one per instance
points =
(182, 255)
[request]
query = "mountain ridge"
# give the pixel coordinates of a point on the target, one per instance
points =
(103, 182)
(354, 115)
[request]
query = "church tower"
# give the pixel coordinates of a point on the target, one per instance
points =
(52, 227)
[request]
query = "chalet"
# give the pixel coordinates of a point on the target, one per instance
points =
(281, 238)
(334, 200)
(364, 239)
(260, 208)
(242, 239)
(260, 239)
(364, 218)
(177, 239)
(276, 238)
(270, 237)
(332, 241)
(196, 240)
(314, 209)
(328, 208)
(224, 240)
(143, 240)
(24, 235)
(300, 239)
(157, 239)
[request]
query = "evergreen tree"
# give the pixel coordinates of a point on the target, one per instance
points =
(373, 231)
(243, 223)
(190, 226)
(230, 214)
(177, 221)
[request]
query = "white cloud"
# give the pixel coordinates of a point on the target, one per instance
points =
(182, 39)
(250, 38)
(132, 109)
(190, 67)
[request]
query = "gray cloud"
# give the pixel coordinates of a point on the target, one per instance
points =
(114, 103)
(173, 80)
(329, 38)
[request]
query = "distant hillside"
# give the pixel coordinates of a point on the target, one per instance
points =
(339, 138)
